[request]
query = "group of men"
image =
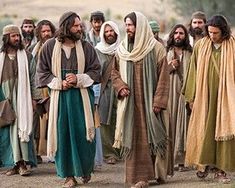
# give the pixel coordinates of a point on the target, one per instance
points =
(159, 107)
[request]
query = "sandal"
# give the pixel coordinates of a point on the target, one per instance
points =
(13, 171)
(23, 171)
(221, 176)
(201, 174)
(141, 184)
(86, 179)
(70, 182)
(111, 160)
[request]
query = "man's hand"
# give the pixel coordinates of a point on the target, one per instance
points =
(66, 85)
(175, 63)
(156, 109)
(71, 78)
(124, 92)
(191, 105)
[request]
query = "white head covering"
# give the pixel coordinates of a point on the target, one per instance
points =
(144, 41)
(104, 47)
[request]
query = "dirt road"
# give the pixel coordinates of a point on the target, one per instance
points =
(110, 176)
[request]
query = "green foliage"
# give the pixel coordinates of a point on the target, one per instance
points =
(210, 7)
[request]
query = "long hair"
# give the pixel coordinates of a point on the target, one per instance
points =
(170, 41)
(6, 43)
(64, 30)
(39, 27)
(220, 22)
(132, 16)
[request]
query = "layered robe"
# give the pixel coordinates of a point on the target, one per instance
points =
(202, 148)
(93, 39)
(107, 106)
(176, 115)
(141, 162)
(40, 121)
(12, 150)
(75, 154)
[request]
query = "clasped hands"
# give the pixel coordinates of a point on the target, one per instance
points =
(70, 81)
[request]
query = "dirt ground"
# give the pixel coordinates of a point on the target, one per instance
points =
(109, 176)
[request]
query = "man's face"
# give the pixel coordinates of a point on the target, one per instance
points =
(130, 28)
(28, 28)
(27, 31)
(45, 33)
(14, 40)
(215, 34)
(197, 26)
(96, 25)
(109, 35)
(76, 29)
(179, 37)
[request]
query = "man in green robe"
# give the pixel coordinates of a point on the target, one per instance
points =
(106, 49)
(69, 67)
(141, 82)
(17, 71)
(210, 90)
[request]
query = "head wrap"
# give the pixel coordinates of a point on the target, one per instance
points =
(97, 15)
(102, 45)
(10, 29)
(28, 21)
(154, 26)
(66, 16)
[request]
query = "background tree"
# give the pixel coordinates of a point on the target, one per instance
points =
(210, 7)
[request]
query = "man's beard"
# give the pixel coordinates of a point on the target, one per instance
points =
(111, 39)
(179, 43)
(131, 38)
(15, 46)
(74, 36)
(28, 36)
(45, 38)
(196, 31)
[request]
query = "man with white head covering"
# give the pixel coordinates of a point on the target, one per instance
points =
(106, 49)
(141, 81)
(17, 87)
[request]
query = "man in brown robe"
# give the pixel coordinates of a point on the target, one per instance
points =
(178, 57)
(141, 81)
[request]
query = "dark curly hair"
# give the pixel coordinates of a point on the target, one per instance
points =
(39, 27)
(170, 41)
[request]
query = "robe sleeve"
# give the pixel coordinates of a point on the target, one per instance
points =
(189, 88)
(44, 74)
(118, 83)
(162, 90)
(36, 94)
(92, 67)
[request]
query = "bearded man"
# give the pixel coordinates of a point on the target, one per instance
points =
(43, 31)
(210, 90)
(27, 30)
(106, 49)
(69, 67)
(197, 27)
(178, 57)
(17, 72)
(141, 82)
